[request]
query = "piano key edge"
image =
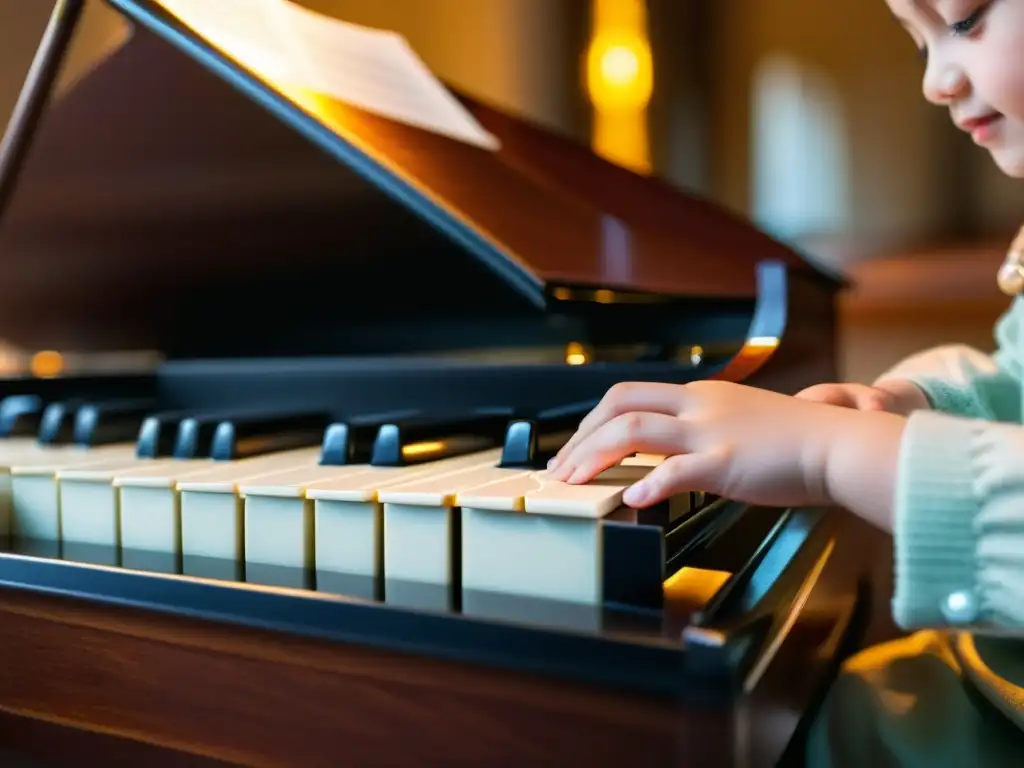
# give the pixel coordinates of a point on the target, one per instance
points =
(713, 673)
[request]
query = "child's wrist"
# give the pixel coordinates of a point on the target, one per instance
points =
(861, 463)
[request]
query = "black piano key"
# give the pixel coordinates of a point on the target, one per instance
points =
(113, 421)
(431, 438)
(530, 443)
(238, 438)
(351, 441)
(57, 424)
(158, 434)
(633, 563)
(194, 438)
(20, 415)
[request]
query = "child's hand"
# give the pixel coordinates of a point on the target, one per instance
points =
(892, 396)
(736, 441)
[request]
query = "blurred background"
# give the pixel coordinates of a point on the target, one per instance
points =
(806, 117)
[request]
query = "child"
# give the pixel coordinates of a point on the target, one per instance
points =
(934, 452)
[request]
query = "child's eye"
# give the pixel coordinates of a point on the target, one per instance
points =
(966, 26)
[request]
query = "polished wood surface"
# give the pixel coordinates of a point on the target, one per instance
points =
(687, 233)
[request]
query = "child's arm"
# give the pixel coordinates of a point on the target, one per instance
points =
(960, 380)
(957, 516)
(952, 379)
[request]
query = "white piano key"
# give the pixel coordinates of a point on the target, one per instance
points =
(531, 536)
(212, 510)
(279, 518)
(147, 501)
(421, 542)
(152, 507)
(89, 507)
(10, 450)
(35, 499)
(348, 517)
(556, 558)
(537, 492)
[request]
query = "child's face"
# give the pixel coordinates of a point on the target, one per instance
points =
(975, 54)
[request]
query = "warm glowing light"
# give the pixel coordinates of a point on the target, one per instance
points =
(620, 72)
(620, 82)
(425, 448)
(47, 364)
(619, 66)
(694, 586)
(575, 354)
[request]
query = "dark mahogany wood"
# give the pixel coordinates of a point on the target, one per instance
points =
(703, 234)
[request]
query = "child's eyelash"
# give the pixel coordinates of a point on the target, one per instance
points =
(965, 26)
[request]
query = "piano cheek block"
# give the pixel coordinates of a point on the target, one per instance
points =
(633, 564)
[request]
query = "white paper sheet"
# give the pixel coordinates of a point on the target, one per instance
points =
(374, 70)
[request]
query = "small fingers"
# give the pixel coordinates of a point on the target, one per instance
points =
(614, 440)
(675, 475)
(621, 399)
(872, 399)
(858, 396)
(829, 394)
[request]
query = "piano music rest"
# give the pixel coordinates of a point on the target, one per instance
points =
(320, 532)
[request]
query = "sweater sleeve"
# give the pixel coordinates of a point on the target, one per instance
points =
(959, 524)
(963, 381)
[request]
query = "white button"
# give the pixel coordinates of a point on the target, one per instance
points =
(960, 607)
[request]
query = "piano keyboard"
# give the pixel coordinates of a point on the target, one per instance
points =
(416, 531)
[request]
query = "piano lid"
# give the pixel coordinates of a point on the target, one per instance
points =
(541, 212)
(169, 173)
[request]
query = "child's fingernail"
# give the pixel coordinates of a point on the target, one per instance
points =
(636, 494)
(553, 463)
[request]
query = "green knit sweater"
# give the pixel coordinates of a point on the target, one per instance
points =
(959, 504)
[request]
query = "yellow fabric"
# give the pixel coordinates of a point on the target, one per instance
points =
(935, 699)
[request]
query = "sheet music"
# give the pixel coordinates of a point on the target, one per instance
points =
(247, 30)
(374, 70)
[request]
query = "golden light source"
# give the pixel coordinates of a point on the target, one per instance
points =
(620, 82)
(575, 354)
(620, 73)
(46, 364)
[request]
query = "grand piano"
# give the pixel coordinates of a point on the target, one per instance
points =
(337, 295)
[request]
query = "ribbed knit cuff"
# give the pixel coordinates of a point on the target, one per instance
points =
(948, 398)
(934, 514)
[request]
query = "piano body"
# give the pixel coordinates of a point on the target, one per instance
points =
(318, 533)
